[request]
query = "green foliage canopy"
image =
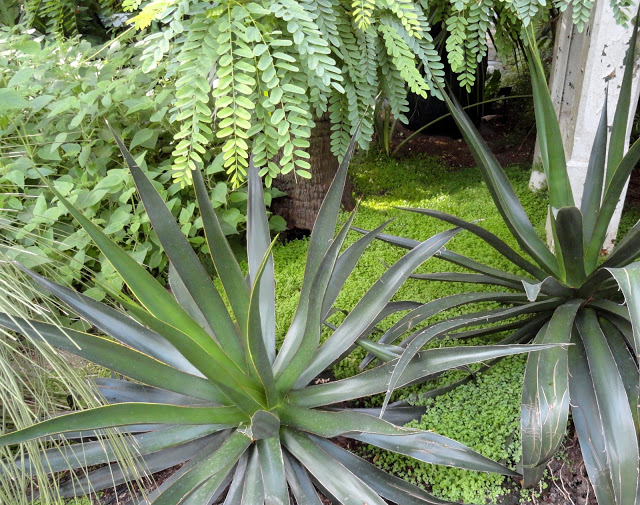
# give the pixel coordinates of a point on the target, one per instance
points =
(253, 75)
(55, 96)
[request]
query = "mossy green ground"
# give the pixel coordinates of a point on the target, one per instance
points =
(484, 413)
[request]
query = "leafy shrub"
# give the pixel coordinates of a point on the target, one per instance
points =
(55, 97)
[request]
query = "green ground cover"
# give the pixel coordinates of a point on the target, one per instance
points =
(485, 413)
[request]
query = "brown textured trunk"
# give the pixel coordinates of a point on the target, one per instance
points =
(304, 196)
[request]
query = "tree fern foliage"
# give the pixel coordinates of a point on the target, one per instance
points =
(252, 76)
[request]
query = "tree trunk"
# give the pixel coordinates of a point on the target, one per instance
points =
(304, 196)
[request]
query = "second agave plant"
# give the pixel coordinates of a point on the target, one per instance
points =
(572, 297)
(206, 387)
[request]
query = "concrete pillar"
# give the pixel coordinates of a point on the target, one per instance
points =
(583, 64)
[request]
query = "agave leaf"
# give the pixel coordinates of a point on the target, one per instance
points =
(570, 241)
(331, 424)
(257, 345)
(491, 239)
(628, 279)
(618, 138)
(384, 352)
(313, 325)
(612, 194)
(114, 474)
(88, 454)
(463, 261)
(425, 363)
(549, 134)
(209, 491)
(186, 301)
(259, 246)
(492, 330)
(253, 492)
(422, 445)
(626, 250)
(204, 451)
(608, 307)
(122, 414)
(388, 486)
(299, 482)
(549, 285)
(337, 481)
(116, 357)
(319, 243)
(124, 391)
(212, 468)
(502, 192)
(622, 325)
(273, 472)
(264, 424)
(440, 329)
(406, 243)
(435, 449)
(545, 396)
(234, 494)
(626, 365)
(395, 412)
(344, 266)
(467, 278)
(389, 309)
(154, 297)
(221, 254)
(230, 382)
(371, 304)
(425, 311)
(620, 436)
(398, 413)
(145, 287)
(117, 325)
(81, 436)
(592, 192)
(185, 261)
(588, 423)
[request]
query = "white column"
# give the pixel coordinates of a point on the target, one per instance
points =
(583, 64)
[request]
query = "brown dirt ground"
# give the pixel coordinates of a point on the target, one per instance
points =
(510, 144)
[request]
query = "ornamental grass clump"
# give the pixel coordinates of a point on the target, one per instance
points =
(568, 293)
(205, 385)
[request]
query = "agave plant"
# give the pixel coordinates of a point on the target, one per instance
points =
(205, 386)
(572, 297)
